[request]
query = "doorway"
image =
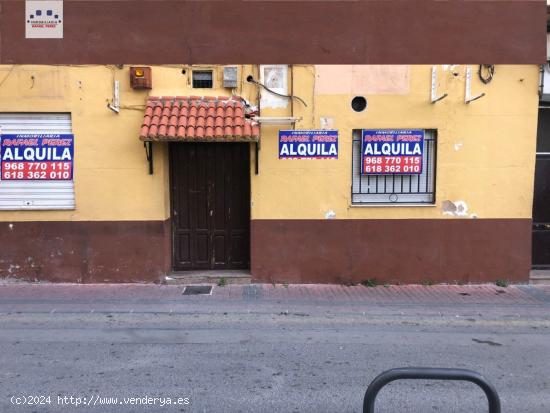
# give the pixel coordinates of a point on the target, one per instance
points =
(541, 200)
(210, 205)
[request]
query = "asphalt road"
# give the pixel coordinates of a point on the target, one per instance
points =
(270, 356)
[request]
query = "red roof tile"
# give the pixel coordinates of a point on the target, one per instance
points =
(172, 131)
(196, 117)
(247, 129)
(144, 130)
(162, 130)
(202, 112)
(255, 129)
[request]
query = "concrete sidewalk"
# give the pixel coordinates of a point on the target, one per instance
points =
(169, 298)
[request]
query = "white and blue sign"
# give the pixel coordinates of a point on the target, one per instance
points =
(392, 151)
(308, 144)
(30, 157)
(44, 19)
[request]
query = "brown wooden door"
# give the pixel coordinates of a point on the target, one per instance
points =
(210, 198)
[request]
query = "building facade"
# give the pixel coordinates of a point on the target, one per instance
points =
(271, 169)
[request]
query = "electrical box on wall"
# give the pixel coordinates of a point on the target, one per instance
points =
(141, 78)
(274, 77)
(230, 76)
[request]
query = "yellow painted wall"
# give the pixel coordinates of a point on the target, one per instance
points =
(111, 172)
(491, 168)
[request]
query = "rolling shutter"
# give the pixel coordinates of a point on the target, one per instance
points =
(22, 195)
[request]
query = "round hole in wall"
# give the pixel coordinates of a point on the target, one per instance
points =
(359, 103)
(182, 71)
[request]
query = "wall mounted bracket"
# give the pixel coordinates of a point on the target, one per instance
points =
(149, 155)
(276, 120)
(468, 97)
(436, 98)
(115, 106)
(257, 157)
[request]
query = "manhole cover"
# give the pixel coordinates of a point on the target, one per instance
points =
(197, 289)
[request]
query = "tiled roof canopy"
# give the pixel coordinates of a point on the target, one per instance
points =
(195, 118)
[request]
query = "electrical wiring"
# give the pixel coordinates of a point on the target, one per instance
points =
(490, 69)
(251, 80)
(7, 75)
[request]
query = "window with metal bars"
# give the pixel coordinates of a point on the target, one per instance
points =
(395, 189)
(202, 79)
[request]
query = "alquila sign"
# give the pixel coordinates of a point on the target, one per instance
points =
(29, 157)
(392, 151)
(308, 144)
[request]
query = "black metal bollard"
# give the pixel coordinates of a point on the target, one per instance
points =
(424, 373)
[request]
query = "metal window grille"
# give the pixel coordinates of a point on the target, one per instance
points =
(394, 189)
(202, 79)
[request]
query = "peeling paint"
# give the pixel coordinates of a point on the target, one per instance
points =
(326, 122)
(448, 67)
(455, 208)
(458, 145)
(362, 80)
(454, 69)
(330, 214)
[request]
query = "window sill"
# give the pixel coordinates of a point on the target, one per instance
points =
(390, 205)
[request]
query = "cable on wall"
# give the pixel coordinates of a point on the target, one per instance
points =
(251, 80)
(489, 73)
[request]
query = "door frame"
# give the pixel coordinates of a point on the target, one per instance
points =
(171, 170)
